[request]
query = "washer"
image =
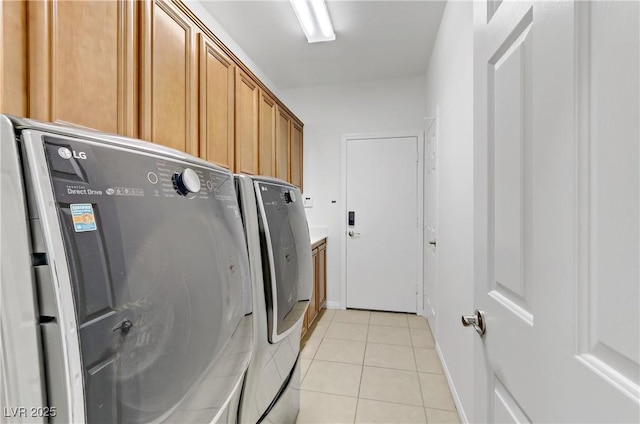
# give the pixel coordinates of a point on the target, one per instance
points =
(282, 274)
(124, 299)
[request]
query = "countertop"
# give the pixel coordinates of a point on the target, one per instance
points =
(316, 234)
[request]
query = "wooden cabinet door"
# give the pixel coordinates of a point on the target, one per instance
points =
(295, 161)
(267, 140)
(216, 93)
(305, 326)
(283, 132)
(322, 276)
(246, 146)
(13, 62)
(313, 307)
(82, 63)
(168, 83)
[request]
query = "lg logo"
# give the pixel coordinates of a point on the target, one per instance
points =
(68, 154)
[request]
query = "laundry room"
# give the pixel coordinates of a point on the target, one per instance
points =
(319, 211)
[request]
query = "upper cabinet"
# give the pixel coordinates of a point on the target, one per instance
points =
(168, 104)
(267, 138)
(295, 160)
(217, 100)
(247, 94)
(81, 58)
(283, 133)
(13, 45)
(288, 148)
(147, 69)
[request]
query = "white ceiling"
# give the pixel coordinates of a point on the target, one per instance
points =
(374, 39)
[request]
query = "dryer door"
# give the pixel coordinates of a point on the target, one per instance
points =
(286, 251)
(159, 275)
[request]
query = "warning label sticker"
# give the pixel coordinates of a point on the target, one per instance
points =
(83, 217)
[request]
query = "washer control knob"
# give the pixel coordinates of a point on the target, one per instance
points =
(186, 182)
(289, 196)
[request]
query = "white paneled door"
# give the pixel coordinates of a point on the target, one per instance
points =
(382, 244)
(557, 183)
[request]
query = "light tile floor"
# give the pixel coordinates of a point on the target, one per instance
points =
(372, 367)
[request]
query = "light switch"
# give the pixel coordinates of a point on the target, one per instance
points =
(307, 202)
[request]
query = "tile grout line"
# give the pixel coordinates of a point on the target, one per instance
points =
(413, 347)
(331, 394)
(392, 326)
(398, 403)
(413, 350)
(355, 415)
(366, 341)
(440, 409)
(378, 400)
(372, 366)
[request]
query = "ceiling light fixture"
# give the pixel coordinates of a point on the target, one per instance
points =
(314, 20)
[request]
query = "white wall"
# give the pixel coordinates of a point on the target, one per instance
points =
(450, 95)
(218, 30)
(328, 112)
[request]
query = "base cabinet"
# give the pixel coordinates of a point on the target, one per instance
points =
(319, 297)
(312, 311)
(321, 266)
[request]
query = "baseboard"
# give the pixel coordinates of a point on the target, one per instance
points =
(334, 305)
(428, 309)
(454, 393)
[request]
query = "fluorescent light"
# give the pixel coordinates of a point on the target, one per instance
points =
(314, 19)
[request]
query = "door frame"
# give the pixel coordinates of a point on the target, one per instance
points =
(346, 138)
(432, 122)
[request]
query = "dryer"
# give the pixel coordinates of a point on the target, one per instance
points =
(282, 275)
(125, 284)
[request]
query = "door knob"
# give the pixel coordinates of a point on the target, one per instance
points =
(353, 234)
(433, 242)
(477, 321)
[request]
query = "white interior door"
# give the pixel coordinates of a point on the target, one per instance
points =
(430, 223)
(382, 250)
(557, 188)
